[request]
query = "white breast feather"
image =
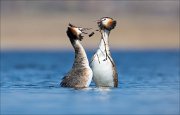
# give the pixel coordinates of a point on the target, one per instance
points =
(102, 70)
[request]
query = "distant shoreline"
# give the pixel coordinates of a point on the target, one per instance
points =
(90, 50)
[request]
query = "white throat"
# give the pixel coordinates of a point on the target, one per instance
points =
(104, 43)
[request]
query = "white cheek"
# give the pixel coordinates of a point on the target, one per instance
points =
(105, 22)
(78, 31)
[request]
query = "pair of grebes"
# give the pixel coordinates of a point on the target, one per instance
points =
(101, 69)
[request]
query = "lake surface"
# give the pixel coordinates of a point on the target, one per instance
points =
(148, 84)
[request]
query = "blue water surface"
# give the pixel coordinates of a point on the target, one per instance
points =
(148, 84)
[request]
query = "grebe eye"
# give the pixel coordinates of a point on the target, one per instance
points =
(103, 19)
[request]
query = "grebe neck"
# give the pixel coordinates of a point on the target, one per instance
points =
(81, 59)
(104, 43)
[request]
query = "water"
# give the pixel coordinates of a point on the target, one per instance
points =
(148, 84)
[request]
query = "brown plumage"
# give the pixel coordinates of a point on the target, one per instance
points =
(115, 75)
(75, 78)
(81, 74)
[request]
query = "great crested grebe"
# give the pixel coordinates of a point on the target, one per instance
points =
(102, 64)
(80, 75)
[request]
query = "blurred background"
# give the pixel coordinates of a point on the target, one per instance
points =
(41, 25)
(36, 54)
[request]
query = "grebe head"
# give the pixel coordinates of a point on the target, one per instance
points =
(106, 23)
(75, 33)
